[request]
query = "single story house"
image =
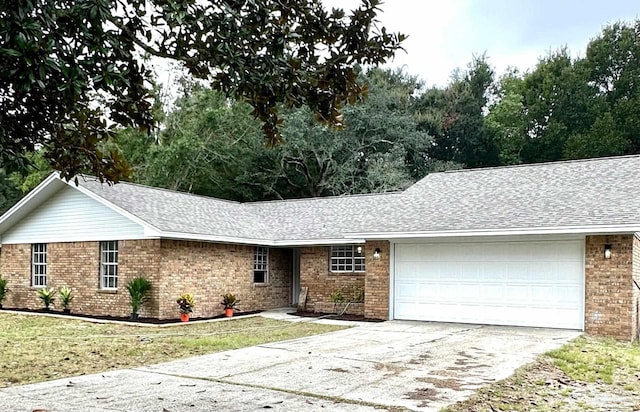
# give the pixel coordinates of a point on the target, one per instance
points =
(545, 245)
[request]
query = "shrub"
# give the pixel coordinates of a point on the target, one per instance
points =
(66, 296)
(139, 289)
(229, 301)
(186, 303)
(345, 297)
(3, 289)
(47, 295)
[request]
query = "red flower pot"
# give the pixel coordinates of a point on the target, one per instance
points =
(184, 317)
(228, 312)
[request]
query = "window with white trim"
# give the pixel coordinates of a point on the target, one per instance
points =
(261, 264)
(347, 258)
(39, 264)
(109, 264)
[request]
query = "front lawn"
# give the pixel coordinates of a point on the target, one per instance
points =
(587, 374)
(38, 348)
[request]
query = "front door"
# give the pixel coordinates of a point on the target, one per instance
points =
(295, 270)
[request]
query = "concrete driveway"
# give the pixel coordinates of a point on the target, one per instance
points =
(373, 366)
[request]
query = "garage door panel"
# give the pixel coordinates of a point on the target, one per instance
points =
(523, 283)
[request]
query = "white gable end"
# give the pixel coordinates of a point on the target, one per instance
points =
(72, 216)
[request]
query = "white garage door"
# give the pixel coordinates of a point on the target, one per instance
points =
(500, 283)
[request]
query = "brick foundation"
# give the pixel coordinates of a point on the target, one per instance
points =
(205, 269)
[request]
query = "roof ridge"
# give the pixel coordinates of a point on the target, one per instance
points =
(537, 164)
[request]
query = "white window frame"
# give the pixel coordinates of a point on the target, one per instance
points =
(38, 265)
(347, 259)
(109, 265)
(261, 263)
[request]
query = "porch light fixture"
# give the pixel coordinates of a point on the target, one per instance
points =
(607, 251)
(359, 250)
(377, 253)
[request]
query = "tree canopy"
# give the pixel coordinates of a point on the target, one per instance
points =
(213, 146)
(562, 108)
(72, 72)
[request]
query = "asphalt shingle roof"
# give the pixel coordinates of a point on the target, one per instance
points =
(585, 193)
(173, 211)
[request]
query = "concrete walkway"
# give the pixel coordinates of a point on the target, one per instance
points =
(393, 365)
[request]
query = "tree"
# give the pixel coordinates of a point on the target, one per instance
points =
(376, 152)
(462, 136)
(507, 119)
(212, 146)
(9, 195)
(58, 58)
(558, 104)
(207, 143)
(612, 67)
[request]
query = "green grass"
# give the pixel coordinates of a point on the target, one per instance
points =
(38, 348)
(590, 366)
(599, 360)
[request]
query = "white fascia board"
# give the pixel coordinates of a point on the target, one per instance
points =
(215, 238)
(149, 230)
(40, 190)
(566, 230)
(319, 242)
(54, 239)
(251, 241)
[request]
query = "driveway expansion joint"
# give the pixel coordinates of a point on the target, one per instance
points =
(336, 399)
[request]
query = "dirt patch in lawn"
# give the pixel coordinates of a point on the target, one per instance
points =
(39, 348)
(588, 374)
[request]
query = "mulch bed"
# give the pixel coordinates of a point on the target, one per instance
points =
(356, 318)
(154, 321)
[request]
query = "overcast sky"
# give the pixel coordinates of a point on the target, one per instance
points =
(445, 34)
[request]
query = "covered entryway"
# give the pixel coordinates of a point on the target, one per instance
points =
(520, 283)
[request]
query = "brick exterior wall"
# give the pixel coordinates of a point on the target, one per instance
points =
(77, 265)
(205, 269)
(635, 273)
(376, 289)
(315, 274)
(210, 269)
(608, 286)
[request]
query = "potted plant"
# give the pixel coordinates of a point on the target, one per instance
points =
(185, 304)
(47, 295)
(139, 289)
(3, 289)
(229, 301)
(66, 296)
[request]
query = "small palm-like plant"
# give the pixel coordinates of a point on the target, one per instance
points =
(47, 295)
(66, 296)
(3, 289)
(139, 289)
